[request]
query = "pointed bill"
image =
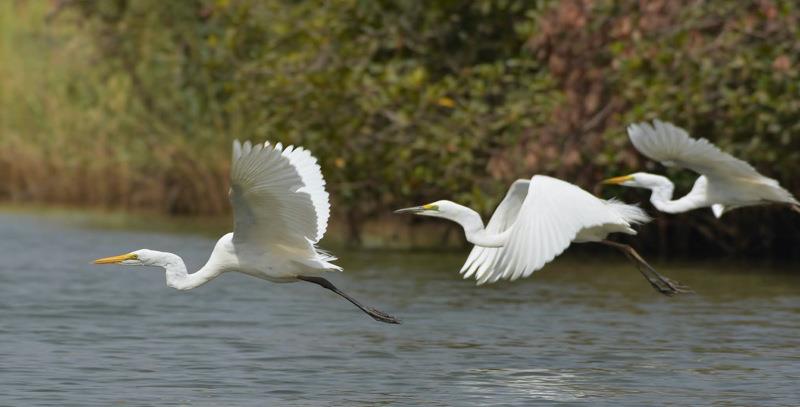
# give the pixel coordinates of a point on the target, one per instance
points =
(617, 180)
(116, 259)
(418, 209)
(413, 209)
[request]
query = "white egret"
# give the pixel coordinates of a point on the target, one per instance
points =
(536, 221)
(725, 182)
(280, 210)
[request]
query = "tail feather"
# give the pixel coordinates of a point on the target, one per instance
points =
(630, 213)
(768, 189)
(326, 258)
(318, 259)
(786, 196)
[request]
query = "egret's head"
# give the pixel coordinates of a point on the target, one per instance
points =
(142, 257)
(638, 180)
(439, 209)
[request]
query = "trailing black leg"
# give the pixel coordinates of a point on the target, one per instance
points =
(662, 284)
(375, 314)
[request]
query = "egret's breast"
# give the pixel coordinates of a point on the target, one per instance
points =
(598, 233)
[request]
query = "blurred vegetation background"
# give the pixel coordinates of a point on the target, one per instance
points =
(132, 104)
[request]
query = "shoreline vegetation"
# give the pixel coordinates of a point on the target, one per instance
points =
(132, 105)
(420, 238)
(401, 234)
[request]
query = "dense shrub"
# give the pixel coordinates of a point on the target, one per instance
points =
(133, 103)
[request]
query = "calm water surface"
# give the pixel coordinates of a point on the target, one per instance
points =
(580, 332)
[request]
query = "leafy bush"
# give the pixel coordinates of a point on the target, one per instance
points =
(134, 103)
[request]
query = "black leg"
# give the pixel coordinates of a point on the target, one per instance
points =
(661, 284)
(375, 314)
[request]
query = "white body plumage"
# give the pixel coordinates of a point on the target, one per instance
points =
(725, 182)
(281, 211)
(536, 221)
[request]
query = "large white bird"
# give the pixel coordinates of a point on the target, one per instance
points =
(725, 182)
(280, 210)
(536, 221)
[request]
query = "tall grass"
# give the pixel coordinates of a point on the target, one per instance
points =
(73, 133)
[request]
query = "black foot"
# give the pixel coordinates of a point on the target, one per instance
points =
(381, 316)
(669, 287)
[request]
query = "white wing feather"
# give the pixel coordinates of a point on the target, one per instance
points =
(481, 258)
(735, 179)
(278, 196)
(549, 219)
(672, 146)
(311, 175)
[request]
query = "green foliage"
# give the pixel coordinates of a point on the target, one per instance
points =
(134, 103)
(729, 74)
(726, 71)
(417, 96)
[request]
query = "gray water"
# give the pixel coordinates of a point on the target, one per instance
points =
(583, 331)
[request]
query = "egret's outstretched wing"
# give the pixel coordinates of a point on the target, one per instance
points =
(278, 196)
(550, 218)
(672, 146)
(481, 258)
(306, 165)
(728, 176)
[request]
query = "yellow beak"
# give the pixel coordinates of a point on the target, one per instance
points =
(116, 259)
(618, 180)
(418, 209)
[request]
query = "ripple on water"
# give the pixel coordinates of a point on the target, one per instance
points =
(577, 332)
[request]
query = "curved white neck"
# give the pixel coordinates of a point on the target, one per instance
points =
(178, 277)
(473, 228)
(661, 198)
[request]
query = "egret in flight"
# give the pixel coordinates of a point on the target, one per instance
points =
(536, 221)
(725, 182)
(280, 210)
